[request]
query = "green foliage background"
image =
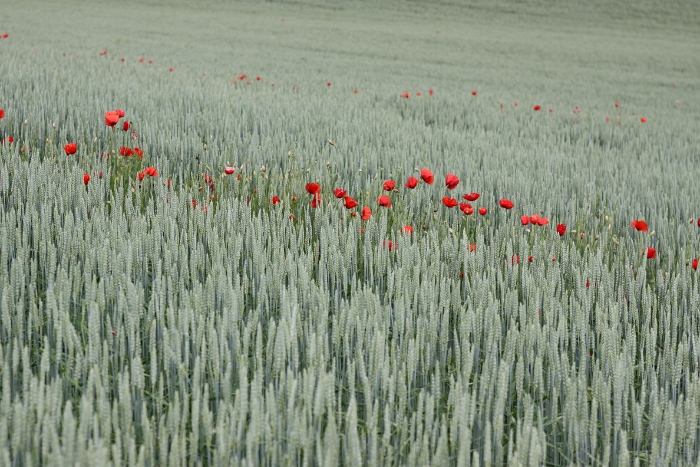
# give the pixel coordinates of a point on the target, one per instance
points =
(136, 329)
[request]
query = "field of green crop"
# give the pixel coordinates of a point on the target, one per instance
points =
(185, 287)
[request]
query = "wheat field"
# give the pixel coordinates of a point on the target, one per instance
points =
(232, 265)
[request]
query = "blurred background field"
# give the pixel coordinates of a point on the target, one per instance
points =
(136, 329)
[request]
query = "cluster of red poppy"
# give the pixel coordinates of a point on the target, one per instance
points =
(128, 152)
(7, 139)
(112, 118)
(406, 95)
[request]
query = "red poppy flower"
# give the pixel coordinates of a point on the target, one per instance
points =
(171, 69)
(418, 93)
(120, 112)
(257, 78)
(473, 93)
(100, 175)
(8, 139)
(534, 219)
(651, 253)
(698, 222)
(389, 185)
(242, 77)
(408, 230)
(472, 247)
(122, 59)
(275, 199)
(695, 264)
(515, 259)
(111, 118)
(536, 108)
(516, 104)
(313, 188)
(229, 170)
(471, 196)
(355, 91)
(150, 61)
(561, 229)
(607, 119)
(466, 208)
(139, 152)
(126, 126)
(529, 258)
(617, 104)
(643, 120)
(194, 204)
(588, 283)
(350, 202)
(411, 183)
(483, 211)
(2, 113)
(86, 179)
(388, 244)
(316, 200)
(5, 36)
(141, 60)
(506, 203)
(124, 151)
(141, 175)
(366, 213)
(430, 91)
(151, 171)
(640, 225)
(543, 221)
(451, 181)
(551, 110)
(339, 193)
(524, 220)
(70, 148)
(328, 83)
(384, 201)
(104, 52)
(449, 202)
(427, 176)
